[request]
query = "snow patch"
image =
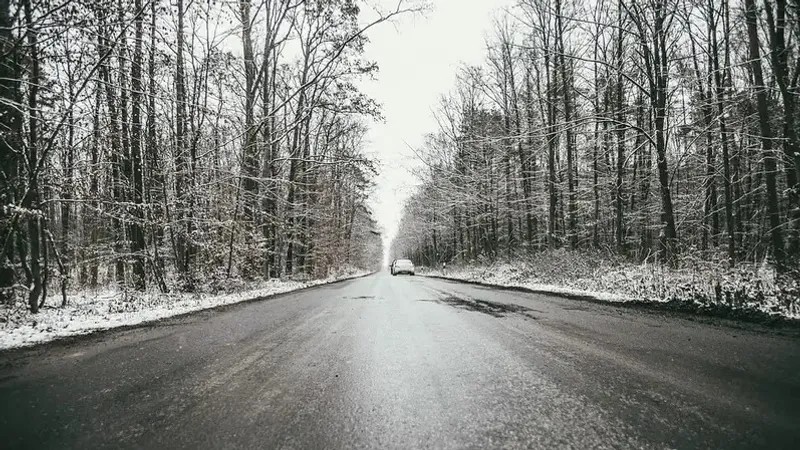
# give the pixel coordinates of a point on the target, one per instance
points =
(87, 312)
(706, 285)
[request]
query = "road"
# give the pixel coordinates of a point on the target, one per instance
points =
(408, 362)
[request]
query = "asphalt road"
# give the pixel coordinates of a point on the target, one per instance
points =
(408, 362)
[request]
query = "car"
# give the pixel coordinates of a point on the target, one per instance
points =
(400, 266)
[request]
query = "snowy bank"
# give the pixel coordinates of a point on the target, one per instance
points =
(87, 312)
(700, 287)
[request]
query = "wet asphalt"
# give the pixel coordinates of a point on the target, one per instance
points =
(408, 362)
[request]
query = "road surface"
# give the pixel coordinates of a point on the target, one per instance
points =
(408, 362)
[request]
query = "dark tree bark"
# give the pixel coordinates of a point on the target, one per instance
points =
(31, 199)
(67, 184)
(777, 26)
(719, 90)
(710, 216)
(123, 159)
(134, 175)
(552, 147)
(520, 148)
(10, 146)
(182, 240)
(566, 92)
(91, 220)
(770, 163)
(656, 64)
(250, 150)
(295, 165)
(530, 175)
(116, 146)
(154, 179)
(620, 128)
(646, 167)
(658, 96)
(268, 204)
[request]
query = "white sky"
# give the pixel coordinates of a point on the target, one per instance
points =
(418, 58)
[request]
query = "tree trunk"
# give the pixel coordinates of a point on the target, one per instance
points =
(719, 90)
(566, 85)
(135, 175)
(10, 148)
(523, 157)
(620, 104)
(530, 176)
(154, 178)
(92, 222)
(123, 164)
(770, 163)
(552, 147)
(777, 26)
(646, 168)
(658, 97)
(267, 172)
(710, 221)
(295, 167)
(66, 186)
(31, 200)
(250, 150)
(182, 241)
(116, 147)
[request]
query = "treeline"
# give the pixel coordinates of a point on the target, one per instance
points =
(172, 144)
(655, 128)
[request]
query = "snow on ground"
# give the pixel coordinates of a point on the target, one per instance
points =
(87, 312)
(506, 275)
(710, 286)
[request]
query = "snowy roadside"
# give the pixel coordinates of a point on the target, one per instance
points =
(746, 294)
(101, 310)
(489, 279)
(503, 277)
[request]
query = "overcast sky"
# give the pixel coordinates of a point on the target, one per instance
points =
(418, 58)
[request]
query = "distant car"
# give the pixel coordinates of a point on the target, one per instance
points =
(402, 266)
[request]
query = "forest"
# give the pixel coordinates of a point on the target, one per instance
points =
(656, 130)
(168, 145)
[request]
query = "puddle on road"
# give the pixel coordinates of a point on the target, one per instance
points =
(486, 307)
